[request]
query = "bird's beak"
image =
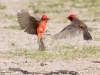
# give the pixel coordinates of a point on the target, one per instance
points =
(67, 17)
(48, 19)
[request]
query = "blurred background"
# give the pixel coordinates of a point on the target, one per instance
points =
(17, 48)
(86, 10)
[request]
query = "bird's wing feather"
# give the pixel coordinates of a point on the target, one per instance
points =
(86, 35)
(27, 22)
(68, 32)
(85, 30)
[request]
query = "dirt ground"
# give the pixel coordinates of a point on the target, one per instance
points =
(21, 65)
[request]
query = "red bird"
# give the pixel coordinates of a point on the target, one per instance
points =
(73, 29)
(33, 26)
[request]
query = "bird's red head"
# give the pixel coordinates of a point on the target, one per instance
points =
(44, 17)
(71, 17)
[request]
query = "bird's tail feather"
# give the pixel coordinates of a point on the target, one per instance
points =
(86, 35)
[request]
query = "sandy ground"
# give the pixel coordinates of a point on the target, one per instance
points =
(22, 65)
(86, 66)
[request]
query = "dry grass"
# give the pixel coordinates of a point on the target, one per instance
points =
(65, 52)
(2, 6)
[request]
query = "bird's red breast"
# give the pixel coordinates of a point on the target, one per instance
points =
(41, 29)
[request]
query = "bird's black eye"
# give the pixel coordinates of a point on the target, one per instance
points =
(70, 18)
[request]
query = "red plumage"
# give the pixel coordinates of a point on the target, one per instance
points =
(33, 26)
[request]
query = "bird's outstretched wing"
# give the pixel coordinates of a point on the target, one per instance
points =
(27, 22)
(68, 32)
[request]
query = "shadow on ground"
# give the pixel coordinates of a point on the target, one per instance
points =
(96, 61)
(58, 72)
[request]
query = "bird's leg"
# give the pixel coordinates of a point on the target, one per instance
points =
(41, 44)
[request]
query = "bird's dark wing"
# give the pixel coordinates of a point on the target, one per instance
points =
(68, 32)
(86, 35)
(27, 22)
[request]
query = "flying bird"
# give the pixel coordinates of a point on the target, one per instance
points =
(33, 26)
(73, 29)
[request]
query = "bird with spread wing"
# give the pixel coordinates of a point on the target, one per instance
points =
(74, 29)
(32, 26)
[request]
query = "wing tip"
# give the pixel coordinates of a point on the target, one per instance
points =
(22, 10)
(19, 11)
